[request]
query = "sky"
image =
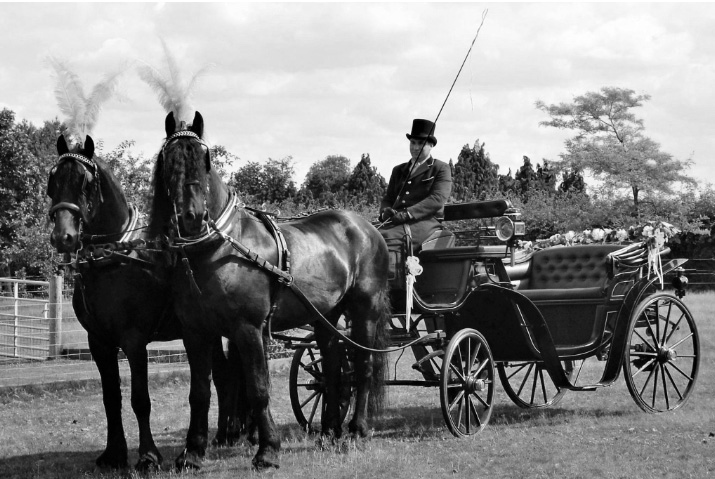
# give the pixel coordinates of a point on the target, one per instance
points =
(309, 80)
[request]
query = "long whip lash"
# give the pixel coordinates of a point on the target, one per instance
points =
(412, 263)
(484, 16)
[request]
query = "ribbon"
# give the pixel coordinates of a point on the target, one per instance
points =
(413, 269)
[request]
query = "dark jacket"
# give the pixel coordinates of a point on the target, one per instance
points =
(425, 192)
(424, 195)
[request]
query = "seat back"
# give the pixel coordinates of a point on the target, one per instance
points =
(582, 266)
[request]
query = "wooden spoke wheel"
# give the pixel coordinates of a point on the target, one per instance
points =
(306, 384)
(662, 359)
(528, 384)
(467, 383)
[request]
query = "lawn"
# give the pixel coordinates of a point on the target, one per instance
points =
(51, 432)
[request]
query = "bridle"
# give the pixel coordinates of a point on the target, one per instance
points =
(181, 134)
(90, 176)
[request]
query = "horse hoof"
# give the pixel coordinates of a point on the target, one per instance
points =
(188, 461)
(149, 462)
(220, 441)
(263, 461)
(358, 429)
(113, 460)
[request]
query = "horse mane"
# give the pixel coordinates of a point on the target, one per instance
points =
(160, 204)
(110, 184)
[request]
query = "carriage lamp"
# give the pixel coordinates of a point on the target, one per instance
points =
(507, 229)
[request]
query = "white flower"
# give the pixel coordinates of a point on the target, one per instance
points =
(659, 237)
(570, 236)
(598, 234)
(647, 231)
(622, 235)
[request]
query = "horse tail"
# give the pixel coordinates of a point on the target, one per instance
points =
(377, 398)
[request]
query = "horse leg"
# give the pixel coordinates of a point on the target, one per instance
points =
(369, 331)
(134, 346)
(250, 343)
(198, 351)
(331, 420)
(105, 358)
(228, 378)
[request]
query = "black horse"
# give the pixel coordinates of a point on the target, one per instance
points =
(231, 280)
(121, 297)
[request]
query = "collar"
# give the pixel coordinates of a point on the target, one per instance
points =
(223, 224)
(421, 167)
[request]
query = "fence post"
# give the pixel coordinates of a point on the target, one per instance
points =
(16, 323)
(56, 286)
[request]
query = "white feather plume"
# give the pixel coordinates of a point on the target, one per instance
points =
(81, 112)
(174, 94)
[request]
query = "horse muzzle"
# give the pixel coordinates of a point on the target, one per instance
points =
(193, 223)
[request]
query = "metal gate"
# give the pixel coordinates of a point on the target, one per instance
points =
(30, 318)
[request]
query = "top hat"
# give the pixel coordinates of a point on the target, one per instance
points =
(423, 130)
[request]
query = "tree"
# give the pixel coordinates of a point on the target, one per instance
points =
(326, 178)
(133, 172)
(268, 183)
(26, 155)
(572, 182)
(611, 145)
(475, 176)
(365, 183)
(222, 160)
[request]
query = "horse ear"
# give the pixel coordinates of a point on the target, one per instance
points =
(89, 147)
(198, 124)
(170, 124)
(62, 147)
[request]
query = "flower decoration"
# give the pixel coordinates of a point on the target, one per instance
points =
(655, 233)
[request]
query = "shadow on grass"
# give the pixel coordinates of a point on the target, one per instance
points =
(60, 464)
(410, 422)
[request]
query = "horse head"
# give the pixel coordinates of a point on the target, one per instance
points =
(87, 199)
(185, 185)
(73, 187)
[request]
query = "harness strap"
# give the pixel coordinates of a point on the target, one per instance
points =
(287, 279)
(283, 276)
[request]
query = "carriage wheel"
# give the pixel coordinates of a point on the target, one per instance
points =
(529, 385)
(467, 383)
(662, 359)
(306, 384)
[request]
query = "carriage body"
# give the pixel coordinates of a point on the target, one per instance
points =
(483, 310)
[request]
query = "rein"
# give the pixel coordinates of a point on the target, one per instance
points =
(285, 278)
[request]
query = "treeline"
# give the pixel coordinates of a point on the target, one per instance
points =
(552, 197)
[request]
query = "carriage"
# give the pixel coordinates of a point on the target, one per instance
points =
(482, 309)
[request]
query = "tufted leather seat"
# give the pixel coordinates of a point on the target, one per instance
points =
(573, 272)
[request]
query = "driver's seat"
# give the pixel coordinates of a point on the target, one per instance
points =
(438, 240)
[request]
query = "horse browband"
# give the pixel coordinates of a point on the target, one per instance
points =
(82, 159)
(182, 133)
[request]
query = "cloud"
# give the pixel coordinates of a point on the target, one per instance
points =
(311, 80)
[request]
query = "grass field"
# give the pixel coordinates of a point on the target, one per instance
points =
(57, 433)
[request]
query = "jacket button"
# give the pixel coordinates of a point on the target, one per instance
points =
(407, 192)
(403, 201)
(409, 182)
